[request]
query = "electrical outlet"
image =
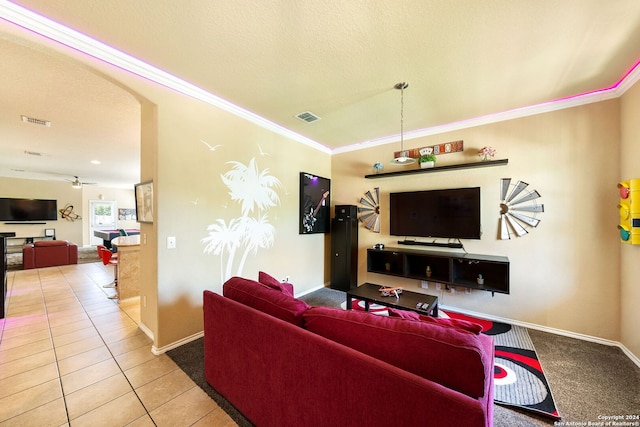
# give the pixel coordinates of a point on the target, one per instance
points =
(438, 287)
(467, 291)
(452, 289)
(424, 284)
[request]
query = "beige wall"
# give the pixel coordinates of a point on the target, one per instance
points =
(564, 273)
(630, 272)
(74, 231)
(60, 191)
(191, 196)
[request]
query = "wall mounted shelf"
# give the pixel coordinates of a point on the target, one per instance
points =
(449, 268)
(484, 164)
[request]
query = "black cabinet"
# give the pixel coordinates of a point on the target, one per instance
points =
(344, 248)
(3, 269)
(484, 272)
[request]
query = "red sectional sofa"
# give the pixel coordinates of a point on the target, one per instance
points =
(49, 253)
(281, 362)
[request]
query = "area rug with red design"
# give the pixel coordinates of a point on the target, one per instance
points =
(519, 380)
(518, 376)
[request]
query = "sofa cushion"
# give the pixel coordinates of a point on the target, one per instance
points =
(274, 283)
(458, 360)
(463, 325)
(266, 299)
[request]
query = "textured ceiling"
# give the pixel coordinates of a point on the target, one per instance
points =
(338, 59)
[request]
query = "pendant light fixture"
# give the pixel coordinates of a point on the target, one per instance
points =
(403, 158)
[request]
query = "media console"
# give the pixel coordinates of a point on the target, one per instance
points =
(452, 269)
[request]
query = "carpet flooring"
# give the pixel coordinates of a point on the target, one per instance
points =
(589, 380)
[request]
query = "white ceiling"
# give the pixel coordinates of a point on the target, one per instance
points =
(338, 59)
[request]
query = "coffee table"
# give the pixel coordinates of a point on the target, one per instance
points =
(407, 300)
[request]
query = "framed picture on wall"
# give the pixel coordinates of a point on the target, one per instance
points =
(144, 201)
(126, 214)
(315, 203)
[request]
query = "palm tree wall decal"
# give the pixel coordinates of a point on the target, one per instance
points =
(255, 191)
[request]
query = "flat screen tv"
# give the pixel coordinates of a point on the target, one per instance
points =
(28, 210)
(450, 213)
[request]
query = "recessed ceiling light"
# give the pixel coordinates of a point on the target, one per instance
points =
(96, 162)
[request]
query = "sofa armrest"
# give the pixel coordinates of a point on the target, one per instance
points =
(28, 257)
(73, 253)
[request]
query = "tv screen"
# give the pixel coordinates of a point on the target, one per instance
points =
(28, 210)
(451, 213)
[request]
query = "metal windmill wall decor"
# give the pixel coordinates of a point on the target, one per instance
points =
(518, 208)
(369, 213)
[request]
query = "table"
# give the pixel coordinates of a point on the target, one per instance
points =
(14, 248)
(108, 235)
(128, 265)
(407, 300)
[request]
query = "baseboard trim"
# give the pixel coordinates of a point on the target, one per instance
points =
(548, 329)
(308, 291)
(161, 350)
(146, 330)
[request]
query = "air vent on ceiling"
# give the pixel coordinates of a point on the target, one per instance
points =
(32, 153)
(308, 117)
(35, 121)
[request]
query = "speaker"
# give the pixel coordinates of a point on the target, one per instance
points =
(346, 211)
(344, 248)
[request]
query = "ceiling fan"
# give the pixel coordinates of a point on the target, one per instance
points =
(76, 183)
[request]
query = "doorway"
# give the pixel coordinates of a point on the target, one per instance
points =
(103, 217)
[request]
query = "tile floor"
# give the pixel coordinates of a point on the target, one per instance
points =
(71, 357)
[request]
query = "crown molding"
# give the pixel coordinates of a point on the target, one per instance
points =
(615, 91)
(80, 42)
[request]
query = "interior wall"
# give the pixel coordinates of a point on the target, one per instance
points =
(629, 154)
(74, 231)
(37, 189)
(564, 274)
(215, 172)
(148, 231)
